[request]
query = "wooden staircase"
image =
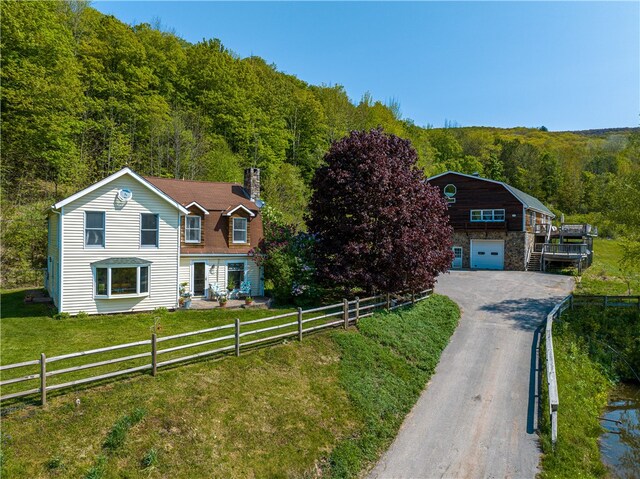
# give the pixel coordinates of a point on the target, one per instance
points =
(535, 262)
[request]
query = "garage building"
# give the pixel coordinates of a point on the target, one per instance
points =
(495, 225)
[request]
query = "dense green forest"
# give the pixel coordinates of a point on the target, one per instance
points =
(84, 94)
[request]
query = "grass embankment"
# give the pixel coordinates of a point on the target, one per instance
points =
(331, 404)
(583, 389)
(587, 369)
(606, 276)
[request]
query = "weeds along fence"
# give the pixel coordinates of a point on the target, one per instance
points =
(163, 351)
(573, 301)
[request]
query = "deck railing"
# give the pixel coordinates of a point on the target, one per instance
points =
(163, 351)
(579, 229)
(564, 249)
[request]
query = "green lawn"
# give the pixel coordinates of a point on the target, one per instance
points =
(331, 403)
(29, 329)
(605, 276)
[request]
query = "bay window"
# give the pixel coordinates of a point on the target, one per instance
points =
(121, 277)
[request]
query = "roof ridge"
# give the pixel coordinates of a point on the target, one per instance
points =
(195, 181)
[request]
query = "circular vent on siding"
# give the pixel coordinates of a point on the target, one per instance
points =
(125, 194)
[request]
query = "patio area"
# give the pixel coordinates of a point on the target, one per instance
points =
(260, 302)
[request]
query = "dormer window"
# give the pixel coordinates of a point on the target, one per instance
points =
(192, 230)
(240, 230)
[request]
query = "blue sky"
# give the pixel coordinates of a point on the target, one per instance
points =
(568, 66)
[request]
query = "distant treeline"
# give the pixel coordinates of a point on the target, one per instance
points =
(84, 94)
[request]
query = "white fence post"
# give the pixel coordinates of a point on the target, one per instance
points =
(300, 324)
(154, 355)
(43, 379)
(237, 337)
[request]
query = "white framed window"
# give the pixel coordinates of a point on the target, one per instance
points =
(487, 215)
(149, 229)
(94, 229)
(121, 281)
(192, 229)
(239, 230)
(235, 274)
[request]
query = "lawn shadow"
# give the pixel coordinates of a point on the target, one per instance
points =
(12, 305)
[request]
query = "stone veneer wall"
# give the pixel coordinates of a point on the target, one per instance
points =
(529, 239)
(515, 243)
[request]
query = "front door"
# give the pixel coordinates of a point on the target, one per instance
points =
(198, 279)
(457, 257)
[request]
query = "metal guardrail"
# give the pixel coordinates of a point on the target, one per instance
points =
(552, 383)
(227, 338)
(573, 301)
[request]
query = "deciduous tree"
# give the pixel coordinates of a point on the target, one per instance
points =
(378, 225)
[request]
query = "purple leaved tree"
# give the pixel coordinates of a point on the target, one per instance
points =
(378, 225)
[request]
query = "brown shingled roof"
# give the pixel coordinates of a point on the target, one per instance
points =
(210, 195)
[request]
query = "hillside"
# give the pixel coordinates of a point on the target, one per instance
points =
(85, 94)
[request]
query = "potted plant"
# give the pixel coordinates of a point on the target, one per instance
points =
(185, 296)
(187, 300)
(248, 300)
(222, 301)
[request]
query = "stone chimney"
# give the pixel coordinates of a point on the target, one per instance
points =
(252, 182)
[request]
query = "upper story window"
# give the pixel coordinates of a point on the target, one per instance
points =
(192, 230)
(94, 226)
(239, 230)
(487, 215)
(149, 228)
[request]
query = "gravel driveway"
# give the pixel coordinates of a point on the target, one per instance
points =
(477, 416)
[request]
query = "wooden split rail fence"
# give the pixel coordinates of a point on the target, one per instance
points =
(150, 355)
(572, 301)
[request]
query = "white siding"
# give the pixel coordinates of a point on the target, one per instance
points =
(53, 257)
(216, 271)
(122, 239)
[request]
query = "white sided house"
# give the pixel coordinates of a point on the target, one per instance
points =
(117, 246)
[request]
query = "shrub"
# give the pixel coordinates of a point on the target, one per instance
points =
(59, 316)
(287, 257)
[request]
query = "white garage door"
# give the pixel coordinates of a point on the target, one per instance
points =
(487, 254)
